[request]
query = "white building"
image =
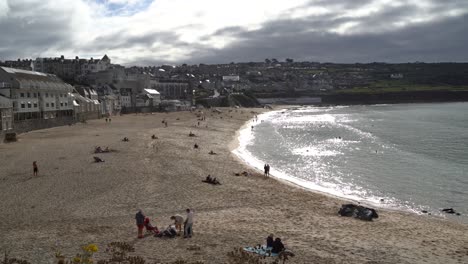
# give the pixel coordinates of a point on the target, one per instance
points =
(172, 89)
(231, 78)
(154, 95)
(35, 95)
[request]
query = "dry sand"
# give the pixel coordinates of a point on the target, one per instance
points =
(74, 201)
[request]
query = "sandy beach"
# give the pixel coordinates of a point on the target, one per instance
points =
(74, 201)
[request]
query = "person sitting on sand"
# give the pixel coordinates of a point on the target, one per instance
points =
(215, 181)
(191, 134)
(195, 146)
(97, 149)
(208, 178)
(212, 152)
(125, 139)
(98, 159)
(269, 241)
(277, 246)
(154, 137)
(170, 232)
(178, 220)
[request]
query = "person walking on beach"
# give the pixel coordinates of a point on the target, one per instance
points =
(188, 225)
(140, 221)
(265, 169)
(35, 169)
(268, 169)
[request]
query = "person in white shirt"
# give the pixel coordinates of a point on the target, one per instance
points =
(188, 231)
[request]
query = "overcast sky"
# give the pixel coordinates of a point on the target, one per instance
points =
(148, 32)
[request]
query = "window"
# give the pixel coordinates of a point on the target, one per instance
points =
(29, 105)
(61, 104)
(35, 105)
(21, 94)
(22, 105)
(46, 94)
(52, 104)
(29, 94)
(66, 104)
(38, 94)
(34, 95)
(47, 104)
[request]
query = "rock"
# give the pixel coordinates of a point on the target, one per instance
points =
(448, 211)
(357, 211)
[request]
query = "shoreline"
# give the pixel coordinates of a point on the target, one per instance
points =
(234, 148)
(75, 201)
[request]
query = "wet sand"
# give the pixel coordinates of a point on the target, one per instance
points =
(75, 201)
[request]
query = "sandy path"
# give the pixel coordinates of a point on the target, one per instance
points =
(75, 201)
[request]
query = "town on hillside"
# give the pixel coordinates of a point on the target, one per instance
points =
(47, 92)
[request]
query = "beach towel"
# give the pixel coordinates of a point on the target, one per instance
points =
(262, 251)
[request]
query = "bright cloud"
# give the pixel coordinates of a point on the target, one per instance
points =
(146, 31)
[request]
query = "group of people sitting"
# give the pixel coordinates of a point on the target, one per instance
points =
(212, 152)
(211, 180)
(274, 244)
(98, 149)
(125, 139)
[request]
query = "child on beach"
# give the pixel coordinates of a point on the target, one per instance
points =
(35, 169)
(178, 220)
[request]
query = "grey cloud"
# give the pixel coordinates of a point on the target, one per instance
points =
(444, 40)
(26, 36)
(124, 40)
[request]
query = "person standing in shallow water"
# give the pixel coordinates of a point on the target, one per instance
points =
(140, 222)
(35, 169)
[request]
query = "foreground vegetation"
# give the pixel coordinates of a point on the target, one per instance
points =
(121, 252)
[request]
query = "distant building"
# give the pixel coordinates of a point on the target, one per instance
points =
(172, 89)
(71, 68)
(24, 64)
(396, 76)
(231, 78)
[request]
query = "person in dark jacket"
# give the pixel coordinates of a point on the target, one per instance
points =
(269, 241)
(277, 246)
(140, 221)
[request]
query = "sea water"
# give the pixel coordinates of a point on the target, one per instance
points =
(405, 156)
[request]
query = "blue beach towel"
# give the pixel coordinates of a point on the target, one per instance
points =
(262, 251)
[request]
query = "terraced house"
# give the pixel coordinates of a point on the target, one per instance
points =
(39, 100)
